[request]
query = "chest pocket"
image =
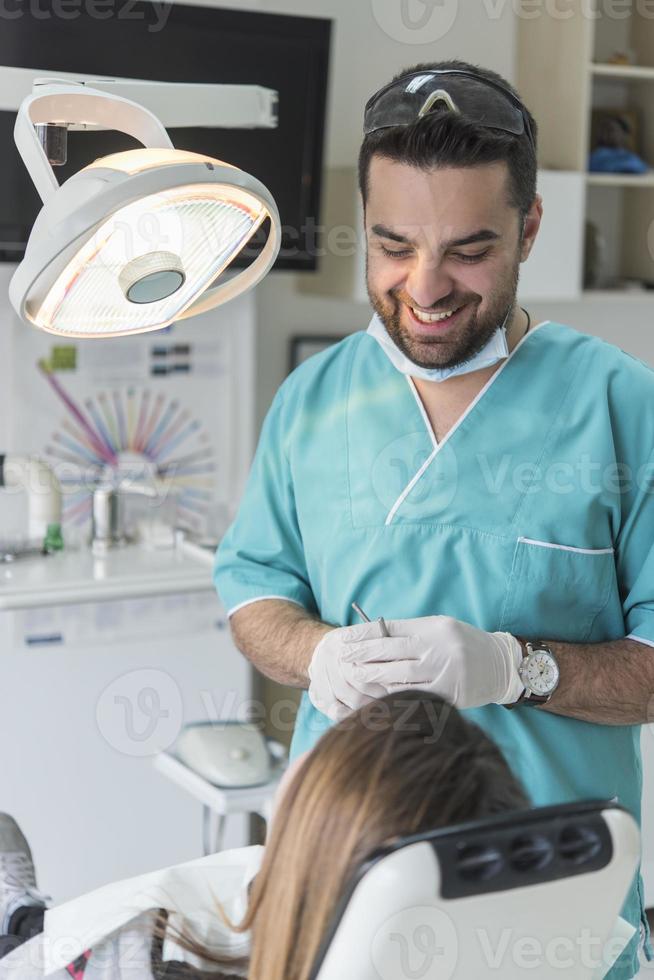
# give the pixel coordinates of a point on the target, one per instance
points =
(556, 592)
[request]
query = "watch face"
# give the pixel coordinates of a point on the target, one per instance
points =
(541, 673)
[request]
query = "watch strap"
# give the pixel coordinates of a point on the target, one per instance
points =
(529, 698)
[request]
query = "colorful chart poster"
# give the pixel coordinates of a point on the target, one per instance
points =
(159, 410)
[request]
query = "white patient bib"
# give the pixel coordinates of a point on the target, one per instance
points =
(188, 892)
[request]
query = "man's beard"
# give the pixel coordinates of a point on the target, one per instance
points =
(464, 342)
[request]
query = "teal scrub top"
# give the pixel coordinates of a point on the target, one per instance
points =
(534, 515)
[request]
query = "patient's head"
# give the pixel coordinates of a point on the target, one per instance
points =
(401, 765)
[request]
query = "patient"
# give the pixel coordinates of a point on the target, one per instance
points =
(401, 765)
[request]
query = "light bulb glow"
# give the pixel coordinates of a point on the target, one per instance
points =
(147, 158)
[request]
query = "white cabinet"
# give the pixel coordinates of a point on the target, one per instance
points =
(83, 722)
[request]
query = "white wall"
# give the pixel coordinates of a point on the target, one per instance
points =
(627, 323)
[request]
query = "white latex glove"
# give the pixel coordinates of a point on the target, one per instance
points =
(329, 691)
(464, 665)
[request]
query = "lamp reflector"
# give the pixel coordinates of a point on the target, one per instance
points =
(199, 227)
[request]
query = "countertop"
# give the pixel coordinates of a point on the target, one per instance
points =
(74, 576)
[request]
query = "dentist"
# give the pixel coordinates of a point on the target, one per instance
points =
(484, 483)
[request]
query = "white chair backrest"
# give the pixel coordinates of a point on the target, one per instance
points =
(532, 894)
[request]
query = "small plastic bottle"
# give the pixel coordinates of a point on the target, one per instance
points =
(53, 540)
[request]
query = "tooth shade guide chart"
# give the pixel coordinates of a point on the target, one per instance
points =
(166, 443)
(101, 413)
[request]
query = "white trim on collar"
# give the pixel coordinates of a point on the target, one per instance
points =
(439, 445)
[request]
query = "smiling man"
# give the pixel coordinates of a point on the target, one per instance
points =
(484, 484)
(474, 276)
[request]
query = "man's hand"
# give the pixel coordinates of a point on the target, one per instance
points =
(464, 665)
(329, 690)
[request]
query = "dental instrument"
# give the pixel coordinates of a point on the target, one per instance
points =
(366, 619)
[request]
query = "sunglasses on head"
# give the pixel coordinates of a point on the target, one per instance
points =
(408, 99)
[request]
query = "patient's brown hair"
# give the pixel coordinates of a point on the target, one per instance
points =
(401, 765)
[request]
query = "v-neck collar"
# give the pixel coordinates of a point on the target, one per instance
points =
(437, 446)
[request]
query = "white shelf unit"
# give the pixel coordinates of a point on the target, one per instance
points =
(619, 180)
(635, 73)
(564, 74)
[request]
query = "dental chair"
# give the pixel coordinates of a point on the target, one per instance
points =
(533, 894)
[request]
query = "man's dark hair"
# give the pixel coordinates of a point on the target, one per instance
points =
(446, 139)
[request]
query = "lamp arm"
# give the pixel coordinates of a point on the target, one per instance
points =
(199, 104)
(72, 102)
(175, 104)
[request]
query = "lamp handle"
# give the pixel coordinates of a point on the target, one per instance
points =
(68, 103)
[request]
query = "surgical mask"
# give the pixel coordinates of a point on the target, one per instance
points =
(495, 350)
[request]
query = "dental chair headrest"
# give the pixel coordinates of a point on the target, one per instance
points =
(532, 893)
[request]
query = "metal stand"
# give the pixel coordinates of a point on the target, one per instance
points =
(218, 802)
(212, 839)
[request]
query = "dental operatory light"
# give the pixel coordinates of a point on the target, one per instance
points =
(136, 239)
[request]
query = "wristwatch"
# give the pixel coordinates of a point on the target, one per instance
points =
(539, 672)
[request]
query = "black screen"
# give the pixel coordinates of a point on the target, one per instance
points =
(179, 43)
